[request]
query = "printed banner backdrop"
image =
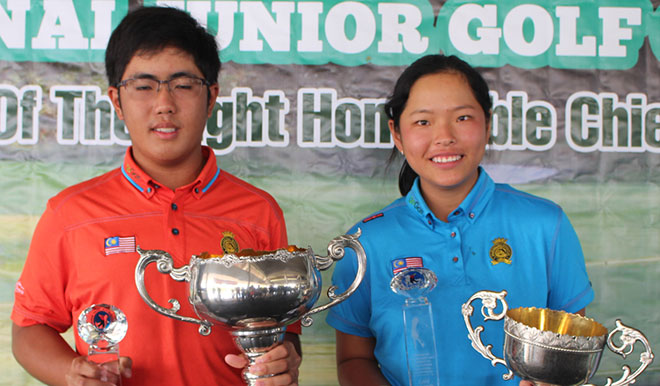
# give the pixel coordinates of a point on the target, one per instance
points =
(576, 91)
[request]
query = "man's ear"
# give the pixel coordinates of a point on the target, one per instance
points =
(214, 90)
(113, 94)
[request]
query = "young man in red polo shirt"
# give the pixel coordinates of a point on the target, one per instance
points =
(169, 194)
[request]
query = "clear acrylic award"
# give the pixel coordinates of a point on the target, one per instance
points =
(421, 352)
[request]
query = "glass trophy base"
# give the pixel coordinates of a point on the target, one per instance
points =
(420, 343)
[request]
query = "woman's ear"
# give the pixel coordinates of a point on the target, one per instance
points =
(489, 129)
(396, 135)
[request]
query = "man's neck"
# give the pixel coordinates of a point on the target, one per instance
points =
(177, 174)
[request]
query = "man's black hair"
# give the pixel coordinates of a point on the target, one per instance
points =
(148, 30)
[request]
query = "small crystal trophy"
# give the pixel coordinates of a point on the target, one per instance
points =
(102, 327)
(421, 353)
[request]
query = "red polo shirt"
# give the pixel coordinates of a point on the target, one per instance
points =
(76, 260)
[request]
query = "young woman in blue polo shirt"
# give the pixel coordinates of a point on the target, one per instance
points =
(453, 219)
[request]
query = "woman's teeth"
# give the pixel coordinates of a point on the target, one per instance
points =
(442, 160)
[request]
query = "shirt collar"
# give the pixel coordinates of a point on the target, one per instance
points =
(143, 183)
(471, 207)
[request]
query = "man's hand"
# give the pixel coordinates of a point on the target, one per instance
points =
(85, 372)
(283, 360)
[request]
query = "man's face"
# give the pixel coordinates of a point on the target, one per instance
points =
(166, 129)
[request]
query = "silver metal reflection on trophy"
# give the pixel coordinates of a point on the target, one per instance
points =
(549, 347)
(255, 296)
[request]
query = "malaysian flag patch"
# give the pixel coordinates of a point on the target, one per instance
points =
(399, 265)
(118, 244)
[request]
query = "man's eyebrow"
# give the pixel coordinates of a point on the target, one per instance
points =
(144, 75)
(182, 73)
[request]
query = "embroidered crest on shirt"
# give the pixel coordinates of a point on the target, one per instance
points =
(119, 244)
(228, 243)
(399, 265)
(500, 252)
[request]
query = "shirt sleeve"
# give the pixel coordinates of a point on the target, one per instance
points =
(351, 316)
(570, 288)
(40, 293)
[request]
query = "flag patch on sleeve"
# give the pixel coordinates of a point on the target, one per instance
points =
(118, 244)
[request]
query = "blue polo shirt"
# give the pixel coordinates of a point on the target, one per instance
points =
(499, 238)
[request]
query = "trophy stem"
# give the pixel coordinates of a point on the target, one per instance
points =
(102, 355)
(256, 342)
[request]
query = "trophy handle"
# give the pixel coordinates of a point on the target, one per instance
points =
(165, 264)
(628, 338)
(336, 249)
(489, 303)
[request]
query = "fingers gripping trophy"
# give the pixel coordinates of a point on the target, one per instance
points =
(254, 294)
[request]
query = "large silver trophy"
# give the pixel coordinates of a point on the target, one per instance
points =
(254, 295)
(550, 347)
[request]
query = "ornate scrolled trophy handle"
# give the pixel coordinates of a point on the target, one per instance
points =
(336, 249)
(489, 303)
(165, 264)
(628, 338)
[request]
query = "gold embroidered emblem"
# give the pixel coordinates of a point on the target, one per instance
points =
(500, 252)
(228, 243)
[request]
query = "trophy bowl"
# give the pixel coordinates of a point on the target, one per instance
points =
(556, 347)
(549, 347)
(260, 290)
(254, 294)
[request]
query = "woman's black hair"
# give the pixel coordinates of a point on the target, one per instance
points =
(426, 65)
(151, 29)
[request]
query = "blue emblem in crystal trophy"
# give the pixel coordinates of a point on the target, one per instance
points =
(421, 353)
(102, 327)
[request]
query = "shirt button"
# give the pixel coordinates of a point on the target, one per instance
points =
(453, 234)
(455, 259)
(175, 231)
(174, 207)
(149, 190)
(196, 190)
(471, 215)
(430, 222)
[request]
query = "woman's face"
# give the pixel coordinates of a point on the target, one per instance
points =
(443, 133)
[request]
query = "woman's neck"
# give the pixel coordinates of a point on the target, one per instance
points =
(442, 201)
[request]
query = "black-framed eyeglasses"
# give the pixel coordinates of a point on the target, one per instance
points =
(181, 87)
